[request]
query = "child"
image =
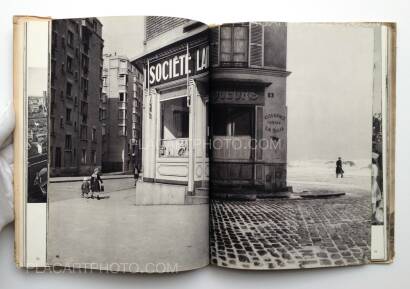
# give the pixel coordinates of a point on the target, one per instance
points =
(85, 188)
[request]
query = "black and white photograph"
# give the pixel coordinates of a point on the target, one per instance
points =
(291, 160)
(37, 119)
(128, 181)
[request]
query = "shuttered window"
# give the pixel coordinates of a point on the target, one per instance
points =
(214, 44)
(256, 45)
(234, 45)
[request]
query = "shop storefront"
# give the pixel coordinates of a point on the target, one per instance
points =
(175, 105)
(248, 111)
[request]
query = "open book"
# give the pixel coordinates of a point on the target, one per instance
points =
(161, 144)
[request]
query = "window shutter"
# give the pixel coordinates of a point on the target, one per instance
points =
(255, 45)
(214, 46)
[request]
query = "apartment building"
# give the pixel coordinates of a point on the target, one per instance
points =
(75, 96)
(121, 115)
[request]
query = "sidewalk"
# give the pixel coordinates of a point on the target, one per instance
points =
(108, 176)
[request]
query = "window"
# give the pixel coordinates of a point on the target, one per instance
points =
(52, 131)
(93, 134)
(54, 40)
(233, 121)
(122, 96)
(84, 87)
(123, 79)
(69, 64)
(68, 142)
(103, 114)
(53, 70)
(84, 83)
(68, 115)
(94, 157)
(83, 156)
(51, 155)
(68, 91)
(58, 157)
(84, 107)
(61, 122)
(174, 128)
(103, 130)
(63, 42)
(122, 114)
(122, 131)
(70, 38)
(233, 128)
(83, 132)
(234, 45)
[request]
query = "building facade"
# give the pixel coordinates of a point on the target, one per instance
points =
(176, 73)
(75, 96)
(248, 109)
(121, 115)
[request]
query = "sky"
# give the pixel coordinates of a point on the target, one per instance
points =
(123, 35)
(329, 90)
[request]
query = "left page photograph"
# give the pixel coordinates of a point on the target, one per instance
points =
(113, 128)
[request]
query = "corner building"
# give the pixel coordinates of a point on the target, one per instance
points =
(248, 110)
(176, 72)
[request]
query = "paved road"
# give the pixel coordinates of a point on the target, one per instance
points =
(283, 234)
(115, 234)
(72, 189)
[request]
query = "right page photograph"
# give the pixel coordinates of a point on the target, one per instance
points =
(292, 124)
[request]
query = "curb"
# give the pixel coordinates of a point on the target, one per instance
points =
(80, 179)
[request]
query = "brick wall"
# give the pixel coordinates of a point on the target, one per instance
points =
(157, 25)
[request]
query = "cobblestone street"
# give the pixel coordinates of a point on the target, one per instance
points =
(291, 233)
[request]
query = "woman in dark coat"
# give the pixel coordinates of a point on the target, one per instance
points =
(95, 182)
(339, 169)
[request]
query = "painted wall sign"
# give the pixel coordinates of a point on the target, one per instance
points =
(179, 66)
(238, 96)
(274, 133)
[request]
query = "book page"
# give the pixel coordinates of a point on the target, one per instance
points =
(125, 145)
(292, 118)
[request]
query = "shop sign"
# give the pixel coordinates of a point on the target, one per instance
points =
(179, 66)
(238, 96)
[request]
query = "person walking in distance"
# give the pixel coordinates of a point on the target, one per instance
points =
(339, 168)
